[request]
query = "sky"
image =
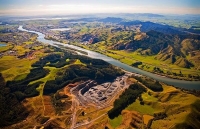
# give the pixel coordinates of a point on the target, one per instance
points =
(67, 7)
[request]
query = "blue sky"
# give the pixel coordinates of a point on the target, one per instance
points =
(35, 7)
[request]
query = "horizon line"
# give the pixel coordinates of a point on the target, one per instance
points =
(73, 14)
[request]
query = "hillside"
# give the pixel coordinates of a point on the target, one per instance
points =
(148, 26)
(35, 86)
(172, 49)
(167, 43)
(169, 108)
(163, 49)
(48, 87)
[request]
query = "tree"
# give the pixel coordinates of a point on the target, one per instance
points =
(83, 113)
(99, 75)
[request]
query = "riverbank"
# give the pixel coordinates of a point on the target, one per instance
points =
(149, 64)
(174, 73)
(92, 54)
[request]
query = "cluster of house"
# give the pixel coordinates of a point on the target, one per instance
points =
(15, 38)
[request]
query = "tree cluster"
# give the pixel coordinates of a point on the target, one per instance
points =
(21, 89)
(137, 63)
(52, 59)
(150, 83)
(127, 97)
(79, 72)
(96, 69)
(35, 73)
(11, 110)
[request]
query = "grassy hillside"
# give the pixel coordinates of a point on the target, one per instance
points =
(168, 48)
(34, 83)
(170, 108)
(36, 79)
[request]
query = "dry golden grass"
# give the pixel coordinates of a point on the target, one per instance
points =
(131, 119)
(146, 118)
(48, 106)
(139, 36)
(178, 106)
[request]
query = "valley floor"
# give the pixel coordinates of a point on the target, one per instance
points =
(148, 63)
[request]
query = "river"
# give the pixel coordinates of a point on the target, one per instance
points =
(61, 29)
(2, 45)
(178, 83)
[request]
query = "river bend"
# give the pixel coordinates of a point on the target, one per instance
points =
(178, 83)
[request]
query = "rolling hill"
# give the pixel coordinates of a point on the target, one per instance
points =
(173, 49)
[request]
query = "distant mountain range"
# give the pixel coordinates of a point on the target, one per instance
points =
(148, 26)
(143, 14)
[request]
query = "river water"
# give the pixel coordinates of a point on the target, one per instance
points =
(61, 29)
(2, 45)
(178, 83)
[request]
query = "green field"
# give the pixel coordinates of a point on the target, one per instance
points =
(13, 68)
(143, 109)
(116, 121)
(150, 62)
